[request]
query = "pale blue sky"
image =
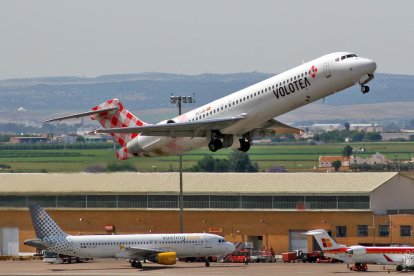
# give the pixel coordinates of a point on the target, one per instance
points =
(90, 38)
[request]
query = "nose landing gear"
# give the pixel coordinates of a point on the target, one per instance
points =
(364, 89)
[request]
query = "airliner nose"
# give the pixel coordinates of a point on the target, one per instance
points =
(368, 66)
(231, 247)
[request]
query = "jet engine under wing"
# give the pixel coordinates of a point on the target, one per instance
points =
(140, 253)
(185, 129)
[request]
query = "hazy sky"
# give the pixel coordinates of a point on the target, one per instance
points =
(90, 38)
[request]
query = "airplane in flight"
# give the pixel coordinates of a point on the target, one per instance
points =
(158, 248)
(360, 255)
(233, 121)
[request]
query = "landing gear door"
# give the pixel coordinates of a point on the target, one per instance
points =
(326, 70)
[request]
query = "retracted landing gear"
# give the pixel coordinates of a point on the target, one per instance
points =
(136, 264)
(364, 89)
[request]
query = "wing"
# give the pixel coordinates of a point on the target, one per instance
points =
(140, 253)
(186, 129)
(275, 127)
(280, 128)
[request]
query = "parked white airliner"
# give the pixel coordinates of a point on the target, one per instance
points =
(158, 248)
(233, 120)
(358, 254)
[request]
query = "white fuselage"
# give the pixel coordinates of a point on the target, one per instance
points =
(263, 101)
(373, 255)
(112, 246)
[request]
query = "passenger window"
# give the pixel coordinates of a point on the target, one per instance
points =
(337, 59)
(343, 57)
(255, 94)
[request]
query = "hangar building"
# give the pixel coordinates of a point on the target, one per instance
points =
(269, 209)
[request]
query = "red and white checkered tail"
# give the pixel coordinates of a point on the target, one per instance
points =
(119, 117)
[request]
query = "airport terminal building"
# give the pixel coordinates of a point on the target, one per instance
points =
(269, 209)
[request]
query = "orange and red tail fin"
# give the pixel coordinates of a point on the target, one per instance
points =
(117, 118)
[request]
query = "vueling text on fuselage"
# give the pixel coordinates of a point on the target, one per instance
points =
(291, 87)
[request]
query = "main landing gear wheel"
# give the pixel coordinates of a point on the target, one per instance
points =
(136, 264)
(215, 145)
(244, 145)
(364, 89)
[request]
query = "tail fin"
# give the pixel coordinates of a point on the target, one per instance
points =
(43, 224)
(117, 118)
(324, 240)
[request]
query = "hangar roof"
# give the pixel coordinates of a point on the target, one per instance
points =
(193, 183)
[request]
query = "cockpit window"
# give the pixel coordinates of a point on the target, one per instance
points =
(347, 56)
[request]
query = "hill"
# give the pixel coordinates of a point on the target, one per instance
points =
(148, 95)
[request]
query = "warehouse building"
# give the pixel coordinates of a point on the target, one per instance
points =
(269, 209)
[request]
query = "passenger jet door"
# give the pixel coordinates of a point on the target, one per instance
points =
(208, 243)
(326, 70)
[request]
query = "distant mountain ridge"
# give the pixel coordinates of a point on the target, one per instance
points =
(150, 91)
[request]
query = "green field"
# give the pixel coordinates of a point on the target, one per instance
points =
(291, 156)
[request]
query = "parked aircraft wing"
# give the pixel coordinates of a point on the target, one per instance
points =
(139, 253)
(186, 129)
(83, 114)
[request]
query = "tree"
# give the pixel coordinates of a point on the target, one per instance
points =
(210, 164)
(347, 126)
(80, 139)
(120, 167)
(357, 137)
(337, 164)
(372, 136)
(347, 151)
(240, 162)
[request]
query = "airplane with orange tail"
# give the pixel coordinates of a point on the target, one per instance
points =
(361, 255)
(234, 120)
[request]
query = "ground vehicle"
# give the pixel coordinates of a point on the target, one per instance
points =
(55, 258)
(261, 256)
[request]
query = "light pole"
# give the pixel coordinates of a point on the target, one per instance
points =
(178, 100)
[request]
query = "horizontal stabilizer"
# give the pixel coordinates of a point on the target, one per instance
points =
(38, 243)
(84, 114)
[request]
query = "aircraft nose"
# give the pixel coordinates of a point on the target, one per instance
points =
(231, 247)
(369, 66)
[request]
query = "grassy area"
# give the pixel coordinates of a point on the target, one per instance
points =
(291, 156)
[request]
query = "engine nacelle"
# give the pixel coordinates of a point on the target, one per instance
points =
(357, 250)
(165, 258)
